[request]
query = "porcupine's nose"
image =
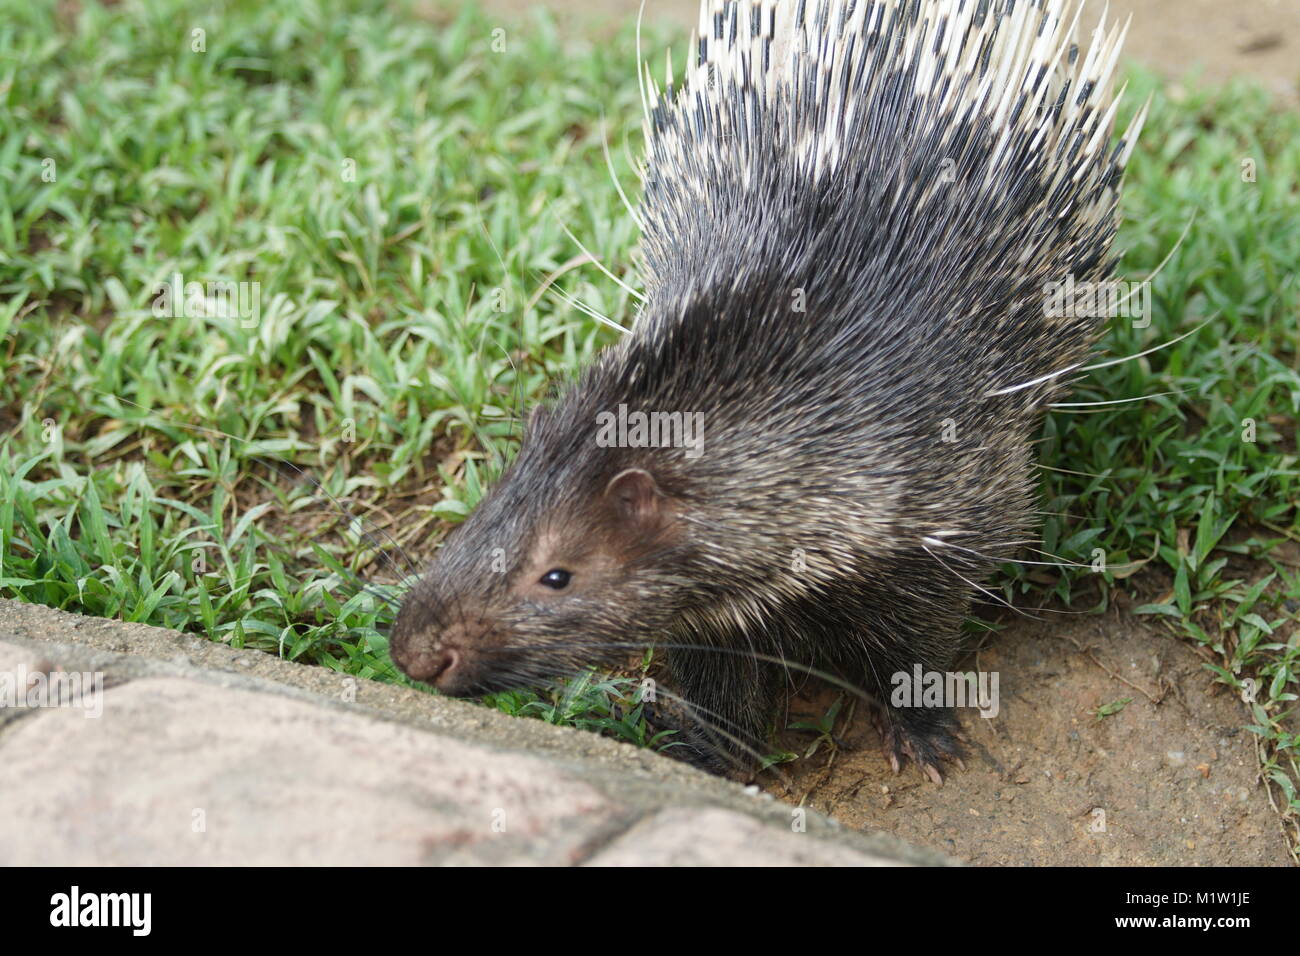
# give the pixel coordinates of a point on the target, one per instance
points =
(430, 664)
(419, 650)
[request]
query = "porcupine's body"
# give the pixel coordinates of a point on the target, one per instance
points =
(850, 216)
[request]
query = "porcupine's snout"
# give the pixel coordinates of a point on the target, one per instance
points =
(427, 659)
(443, 653)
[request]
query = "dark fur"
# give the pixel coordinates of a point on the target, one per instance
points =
(823, 428)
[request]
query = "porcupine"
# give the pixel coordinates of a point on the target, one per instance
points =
(850, 214)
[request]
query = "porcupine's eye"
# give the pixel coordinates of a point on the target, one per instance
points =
(556, 578)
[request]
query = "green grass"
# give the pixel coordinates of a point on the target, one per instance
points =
(398, 189)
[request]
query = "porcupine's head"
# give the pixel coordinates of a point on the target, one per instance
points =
(569, 561)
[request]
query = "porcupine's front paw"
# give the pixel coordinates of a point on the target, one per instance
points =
(927, 736)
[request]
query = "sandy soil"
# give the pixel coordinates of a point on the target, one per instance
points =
(1217, 39)
(1173, 772)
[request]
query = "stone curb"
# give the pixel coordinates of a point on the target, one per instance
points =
(208, 755)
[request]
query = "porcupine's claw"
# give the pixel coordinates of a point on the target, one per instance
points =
(926, 746)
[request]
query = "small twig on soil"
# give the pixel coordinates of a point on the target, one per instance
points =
(836, 744)
(1087, 652)
(1291, 844)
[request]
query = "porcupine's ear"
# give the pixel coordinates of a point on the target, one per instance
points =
(535, 423)
(636, 498)
(537, 417)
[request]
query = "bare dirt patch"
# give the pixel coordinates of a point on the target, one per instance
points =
(1217, 40)
(1173, 771)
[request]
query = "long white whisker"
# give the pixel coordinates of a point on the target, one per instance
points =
(1067, 471)
(1129, 358)
(601, 266)
(618, 186)
(1115, 401)
(640, 80)
(1177, 245)
(583, 307)
(575, 262)
(925, 544)
(989, 557)
(1030, 384)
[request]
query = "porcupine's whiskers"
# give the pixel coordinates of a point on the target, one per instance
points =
(1059, 561)
(529, 677)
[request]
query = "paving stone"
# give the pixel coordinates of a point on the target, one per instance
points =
(708, 836)
(199, 754)
(178, 772)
